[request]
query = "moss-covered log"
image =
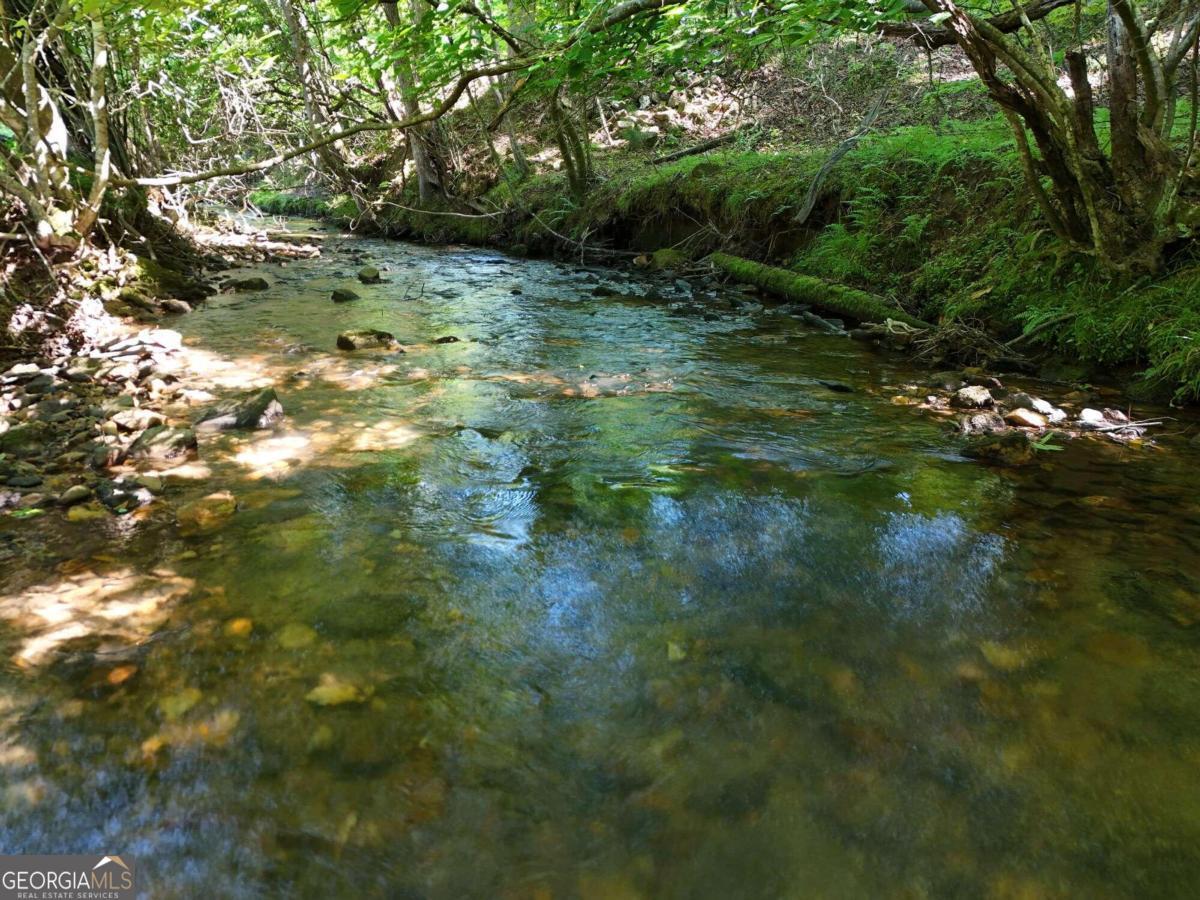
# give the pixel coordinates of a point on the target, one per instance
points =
(835, 298)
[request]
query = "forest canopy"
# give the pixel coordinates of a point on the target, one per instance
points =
(101, 94)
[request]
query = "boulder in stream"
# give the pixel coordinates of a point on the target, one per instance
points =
(986, 422)
(255, 410)
(367, 339)
(122, 496)
(973, 396)
(163, 444)
(343, 295)
(1009, 448)
(254, 283)
(369, 275)
(1025, 418)
(75, 494)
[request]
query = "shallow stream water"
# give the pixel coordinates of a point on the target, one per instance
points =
(630, 605)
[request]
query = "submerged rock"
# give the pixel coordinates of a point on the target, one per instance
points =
(334, 691)
(369, 275)
(85, 512)
(206, 513)
(175, 705)
(343, 295)
(240, 627)
(254, 283)
(367, 339)
(295, 636)
(448, 339)
(256, 410)
(1010, 448)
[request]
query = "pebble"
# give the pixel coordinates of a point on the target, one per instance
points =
(74, 494)
(335, 691)
(239, 628)
(295, 635)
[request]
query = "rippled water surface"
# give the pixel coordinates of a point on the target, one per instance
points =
(630, 605)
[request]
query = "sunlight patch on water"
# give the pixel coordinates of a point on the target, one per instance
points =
(115, 609)
(936, 562)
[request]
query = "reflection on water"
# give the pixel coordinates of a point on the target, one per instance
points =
(602, 601)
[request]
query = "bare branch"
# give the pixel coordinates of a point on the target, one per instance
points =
(932, 38)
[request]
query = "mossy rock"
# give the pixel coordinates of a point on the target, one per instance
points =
(668, 258)
(170, 282)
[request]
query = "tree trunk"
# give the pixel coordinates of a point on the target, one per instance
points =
(313, 93)
(428, 185)
(102, 166)
(1120, 208)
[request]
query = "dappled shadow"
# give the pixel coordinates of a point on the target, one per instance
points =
(102, 614)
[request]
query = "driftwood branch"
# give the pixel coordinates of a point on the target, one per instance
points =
(814, 189)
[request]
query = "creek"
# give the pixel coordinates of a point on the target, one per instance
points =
(605, 599)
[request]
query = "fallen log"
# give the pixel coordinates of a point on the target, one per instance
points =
(295, 237)
(835, 298)
(702, 147)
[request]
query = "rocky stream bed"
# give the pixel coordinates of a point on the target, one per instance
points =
(571, 581)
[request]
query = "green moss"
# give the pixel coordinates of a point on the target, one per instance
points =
(156, 279)
(668, 258)
(290, 203)
(835, 298)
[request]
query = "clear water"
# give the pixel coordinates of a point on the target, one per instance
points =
(635, 607)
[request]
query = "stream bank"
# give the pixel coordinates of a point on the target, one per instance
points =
(936, 222)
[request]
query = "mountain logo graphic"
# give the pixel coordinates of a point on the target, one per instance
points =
(110, 859)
